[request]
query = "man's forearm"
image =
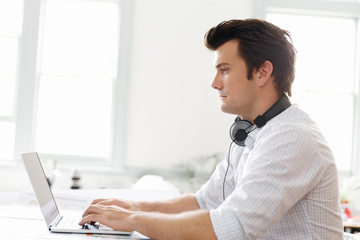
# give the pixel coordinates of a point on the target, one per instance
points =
(187, 225)
(179, 218)
(181, 204)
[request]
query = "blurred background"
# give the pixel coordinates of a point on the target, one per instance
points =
(118, 92)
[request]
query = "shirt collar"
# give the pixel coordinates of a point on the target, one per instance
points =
(250, 140)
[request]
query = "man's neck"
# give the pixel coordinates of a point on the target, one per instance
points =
(263, 103)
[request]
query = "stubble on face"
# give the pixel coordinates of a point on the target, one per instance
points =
(235, 90)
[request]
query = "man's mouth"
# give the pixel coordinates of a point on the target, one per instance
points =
(221, 94)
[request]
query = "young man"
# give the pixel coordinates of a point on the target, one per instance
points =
(279, 179)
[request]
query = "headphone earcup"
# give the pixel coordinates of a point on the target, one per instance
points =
(238, 131)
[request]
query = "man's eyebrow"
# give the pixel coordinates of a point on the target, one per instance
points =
(221, 64)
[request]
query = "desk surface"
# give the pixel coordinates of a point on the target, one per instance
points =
(21, 218)
(352, 224)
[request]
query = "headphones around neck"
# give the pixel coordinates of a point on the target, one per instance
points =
(241, 128)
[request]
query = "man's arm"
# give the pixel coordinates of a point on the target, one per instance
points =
(187, 225)
(195, 224)
(181, 204)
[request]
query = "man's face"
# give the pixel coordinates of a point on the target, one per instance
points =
(235, 90)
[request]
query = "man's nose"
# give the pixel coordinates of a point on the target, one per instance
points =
(217, 84)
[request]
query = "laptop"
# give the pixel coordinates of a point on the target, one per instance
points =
(54, 221)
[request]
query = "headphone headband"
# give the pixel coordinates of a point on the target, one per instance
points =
(278, 107)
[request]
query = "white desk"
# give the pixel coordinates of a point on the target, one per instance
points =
(20, 215)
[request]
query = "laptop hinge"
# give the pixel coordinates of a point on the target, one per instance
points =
(55, 222)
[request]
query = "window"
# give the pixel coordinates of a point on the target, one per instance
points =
(61, 78)
(77, 73)
(326, 83)
(10, 33)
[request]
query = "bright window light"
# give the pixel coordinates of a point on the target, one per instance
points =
(80, 38)
(7, 85)
(8, 56)
(74, 116)
(8, 64)
(325, 75)
(78, 69)
(11, 12)
(7, 140)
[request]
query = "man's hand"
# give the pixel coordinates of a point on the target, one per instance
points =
(112, 216)
(173, 219)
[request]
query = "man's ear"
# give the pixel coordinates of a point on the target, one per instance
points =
(264, 73)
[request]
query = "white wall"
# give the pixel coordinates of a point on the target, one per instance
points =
(174, 114)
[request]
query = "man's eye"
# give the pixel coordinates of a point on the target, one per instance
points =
(223, 70)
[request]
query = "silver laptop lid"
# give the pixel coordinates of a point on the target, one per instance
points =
(41, 188)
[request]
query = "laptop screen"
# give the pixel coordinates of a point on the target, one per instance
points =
(40, 185)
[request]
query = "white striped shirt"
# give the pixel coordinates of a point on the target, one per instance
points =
(282, 185)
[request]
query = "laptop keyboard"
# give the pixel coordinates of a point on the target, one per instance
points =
(72, 222)
(69, 222)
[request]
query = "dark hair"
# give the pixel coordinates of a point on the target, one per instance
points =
(259, 41)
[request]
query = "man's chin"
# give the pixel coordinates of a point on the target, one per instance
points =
(227, 110)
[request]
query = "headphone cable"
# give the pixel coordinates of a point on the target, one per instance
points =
(227, 168)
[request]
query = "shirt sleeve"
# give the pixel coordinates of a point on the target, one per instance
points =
(283, 167)
(208, 196)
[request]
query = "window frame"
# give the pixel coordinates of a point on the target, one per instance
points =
(27, 87)
(350, 9)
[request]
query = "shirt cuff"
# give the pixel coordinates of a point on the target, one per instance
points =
(200, 201)
(226, 225)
